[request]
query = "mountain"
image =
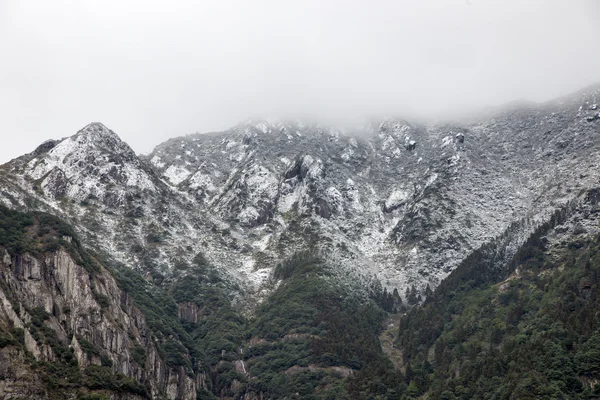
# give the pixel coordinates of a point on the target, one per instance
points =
(526, 330)
(275, 246)
(66, 325)
(399, 201)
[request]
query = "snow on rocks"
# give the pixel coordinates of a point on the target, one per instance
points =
(86, 164)
(250, 196)
(396, 199)
(176, 174)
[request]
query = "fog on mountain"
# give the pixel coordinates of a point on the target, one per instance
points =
(399, 227)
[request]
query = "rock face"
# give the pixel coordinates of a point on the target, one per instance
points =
(87, 313)
(396, 200)
(402, 201)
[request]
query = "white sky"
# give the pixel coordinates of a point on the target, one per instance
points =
(151, 70)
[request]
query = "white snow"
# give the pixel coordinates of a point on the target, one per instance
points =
(446, 141)
(396, 198)
(176, 174)
(432, 178)
(312, 166)
(255, 278)
(347, 154)
(263, 127)
(156, 161)
(202, 181)
(262, 183)
(231, 144)
(285, 161)
(263, 243)
(248, 214)
(368, 240)
(454, 159)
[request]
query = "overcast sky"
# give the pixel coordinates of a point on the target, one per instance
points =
(151, 70)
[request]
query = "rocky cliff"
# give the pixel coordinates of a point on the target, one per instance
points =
(191, 284)
(67, 327)
(401, 201)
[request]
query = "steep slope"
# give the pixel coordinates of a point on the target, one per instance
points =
(526, 330)
(395, 201)
(97, 183)
(67, 329)
(260, 262)
(403, 201)
(71, 328)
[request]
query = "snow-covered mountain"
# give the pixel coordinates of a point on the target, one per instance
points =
(401, 201)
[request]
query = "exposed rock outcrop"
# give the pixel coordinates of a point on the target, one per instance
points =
(79, 305)
(251, 196)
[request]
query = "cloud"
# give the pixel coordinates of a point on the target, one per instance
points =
(151, 70)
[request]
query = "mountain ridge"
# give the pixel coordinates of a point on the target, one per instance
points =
(261, 262)
(382, 202)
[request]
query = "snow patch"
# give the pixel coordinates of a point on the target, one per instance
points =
(285, 161)
(176, 174)
(157, 162)
(396, 198)
(447, 140)
(430, 179)
(263, 243)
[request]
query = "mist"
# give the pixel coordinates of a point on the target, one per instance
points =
(152, 70)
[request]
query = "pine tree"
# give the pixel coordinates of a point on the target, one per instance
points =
(413, 297)
(428, 292)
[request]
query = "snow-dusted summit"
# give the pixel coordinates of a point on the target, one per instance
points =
(397, 200)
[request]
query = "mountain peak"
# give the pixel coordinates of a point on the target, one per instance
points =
(98, 133)
(93, 162)
(94, 126)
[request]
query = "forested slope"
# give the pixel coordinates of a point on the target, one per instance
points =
(526, 331)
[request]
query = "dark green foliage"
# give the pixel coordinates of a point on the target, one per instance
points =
(51, 224)
(158, 308)
(38, 316)
(15, 337)
(106, 361)
(59, 375)
(6, 341)
(315, 340)
(139, 354)
(102, 377)
(87, 346)
(160, 311)
(412, 297)
(203, 394)
(308, 321)
(220, 330)
(388, 301)
(64, 373)
(92, 396)
(302, 263)
(154, 238)
(534, 336)
(174, 353)
(37, 232)
(12, 230)
(19, 335)
(588, 357)
(45, 334)
(295, 306)
(55, 233)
